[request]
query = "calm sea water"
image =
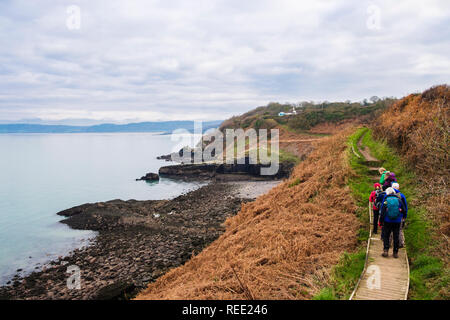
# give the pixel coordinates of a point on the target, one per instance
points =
(41, 174)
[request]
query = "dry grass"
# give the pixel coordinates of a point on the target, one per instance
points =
(419, 126)
(281, 246)
(332, 128)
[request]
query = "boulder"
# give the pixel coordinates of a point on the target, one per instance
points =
(167, 157)
(150, 177)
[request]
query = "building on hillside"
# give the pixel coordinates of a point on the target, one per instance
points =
(282, 114)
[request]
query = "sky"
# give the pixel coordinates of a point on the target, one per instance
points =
(109, 60)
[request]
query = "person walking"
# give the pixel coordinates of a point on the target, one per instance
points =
(392, 212)
(396, 187)
(389, 179)
(375, 209)
(378, 203)
(382, 172)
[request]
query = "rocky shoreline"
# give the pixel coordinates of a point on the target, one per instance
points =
(137, 242)
(224, 172)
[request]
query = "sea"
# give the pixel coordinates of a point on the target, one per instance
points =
(42, 174)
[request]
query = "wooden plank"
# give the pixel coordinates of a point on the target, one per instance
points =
(393, 273)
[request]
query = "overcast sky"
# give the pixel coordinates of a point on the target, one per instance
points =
(178, 60)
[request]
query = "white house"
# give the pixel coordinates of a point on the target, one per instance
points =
(281, 114)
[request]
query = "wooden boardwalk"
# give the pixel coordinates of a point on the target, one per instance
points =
(382, 278)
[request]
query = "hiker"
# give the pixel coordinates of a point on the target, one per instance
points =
(383, 172)
(389, 178)
(392, 211)
(378, 202)
(373, 199)
(396, 188)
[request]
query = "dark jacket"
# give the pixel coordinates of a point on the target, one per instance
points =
(379, 199)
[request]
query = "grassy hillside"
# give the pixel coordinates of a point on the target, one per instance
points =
(281, 246)
(303, 239)
(414, 137)
(308, 114)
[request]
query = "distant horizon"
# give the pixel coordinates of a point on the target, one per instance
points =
(146, 126)
(91, 122)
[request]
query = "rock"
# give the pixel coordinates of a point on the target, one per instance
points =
(149, 177)
(115, 291)
(127, 253)
(244, 171)
(167, 157)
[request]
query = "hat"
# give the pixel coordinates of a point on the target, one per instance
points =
(395, 185)
(389, 191)
(376, 185)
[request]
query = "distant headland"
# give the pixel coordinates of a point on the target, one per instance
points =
(163, 126)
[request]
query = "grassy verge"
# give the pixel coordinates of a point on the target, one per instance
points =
(427, 273)
(283, 155)
(346, 273)
(286, 156)
(303, 131)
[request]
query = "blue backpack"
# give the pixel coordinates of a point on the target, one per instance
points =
(392, 207)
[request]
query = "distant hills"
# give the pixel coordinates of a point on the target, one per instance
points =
(306, 115)
(164, 126)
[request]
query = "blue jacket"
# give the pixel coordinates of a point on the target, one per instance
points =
(383, 211)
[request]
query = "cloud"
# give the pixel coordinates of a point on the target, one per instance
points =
(158, 60)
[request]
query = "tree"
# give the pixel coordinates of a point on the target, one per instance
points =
(374, 99)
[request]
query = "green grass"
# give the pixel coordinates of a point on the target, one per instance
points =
(427, 273)
(428, 276)
(295, 182)
(344, 277)
(286, 156)
(283, 155)
(346, 273)
(360, 184)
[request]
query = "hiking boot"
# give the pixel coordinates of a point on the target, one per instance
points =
(395, 255)
(385, 253)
